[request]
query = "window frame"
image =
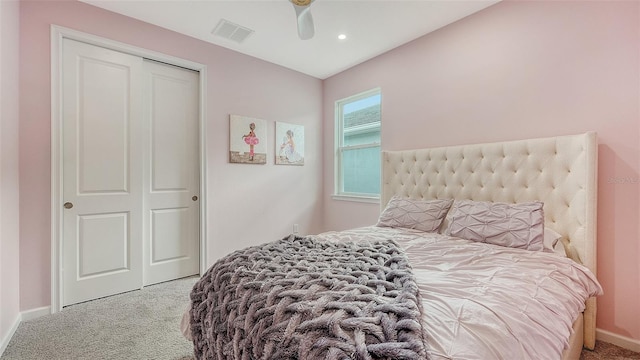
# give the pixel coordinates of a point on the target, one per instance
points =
(339, 147)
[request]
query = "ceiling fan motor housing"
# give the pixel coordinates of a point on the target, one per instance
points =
(301, 2)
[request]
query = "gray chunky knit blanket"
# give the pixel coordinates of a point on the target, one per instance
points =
(302, 298)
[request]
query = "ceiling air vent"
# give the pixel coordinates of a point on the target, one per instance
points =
(231, 31)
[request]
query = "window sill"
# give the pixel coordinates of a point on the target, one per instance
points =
(357, 198)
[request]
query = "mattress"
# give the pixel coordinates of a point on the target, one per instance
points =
(483, 301)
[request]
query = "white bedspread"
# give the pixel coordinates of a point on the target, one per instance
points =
(484, 301)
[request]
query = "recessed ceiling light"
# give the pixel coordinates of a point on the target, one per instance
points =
(342, 36)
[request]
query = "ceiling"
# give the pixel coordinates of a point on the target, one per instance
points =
(372, 27)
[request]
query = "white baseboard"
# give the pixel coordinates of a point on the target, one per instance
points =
(5, 341)
(35, 313)
(619, 340)
(23, 316)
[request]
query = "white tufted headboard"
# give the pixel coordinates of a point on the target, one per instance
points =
(560, 171)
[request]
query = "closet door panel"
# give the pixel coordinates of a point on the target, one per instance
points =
(172, 177)
(102, 184)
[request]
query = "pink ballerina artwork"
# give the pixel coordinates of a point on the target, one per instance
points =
(251, 139)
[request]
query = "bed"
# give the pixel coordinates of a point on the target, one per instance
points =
(556, 177)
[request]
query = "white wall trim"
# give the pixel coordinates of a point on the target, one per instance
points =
(203, 170)
(23, 316)
(619, 340)
(35, 313)
(59, 33)
(356, 198)
(5, 341)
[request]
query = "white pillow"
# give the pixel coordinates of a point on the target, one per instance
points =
(551, 239)
(560, 250)
(423, 215)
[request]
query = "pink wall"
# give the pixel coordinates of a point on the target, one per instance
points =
(520, 70)
(9, 205)
(246, 203)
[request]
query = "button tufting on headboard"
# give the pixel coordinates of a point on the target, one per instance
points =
(559, 171)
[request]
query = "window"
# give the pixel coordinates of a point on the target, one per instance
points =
(358, 146)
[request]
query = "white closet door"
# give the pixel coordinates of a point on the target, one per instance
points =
(102, 191)
(172, 178)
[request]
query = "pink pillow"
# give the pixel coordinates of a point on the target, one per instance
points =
(512, 225)
(423, 215)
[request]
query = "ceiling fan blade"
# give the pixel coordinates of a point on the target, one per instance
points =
(306, 28)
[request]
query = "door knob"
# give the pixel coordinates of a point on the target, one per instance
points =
(68, 205)
(194, 198)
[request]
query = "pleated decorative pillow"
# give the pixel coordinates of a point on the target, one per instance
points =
(423, 215)
(512, 225)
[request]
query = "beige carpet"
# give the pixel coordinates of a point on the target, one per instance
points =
(141, 324)
(608, 351)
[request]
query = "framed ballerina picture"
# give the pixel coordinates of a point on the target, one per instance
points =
(247, 140)
(289, 144)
